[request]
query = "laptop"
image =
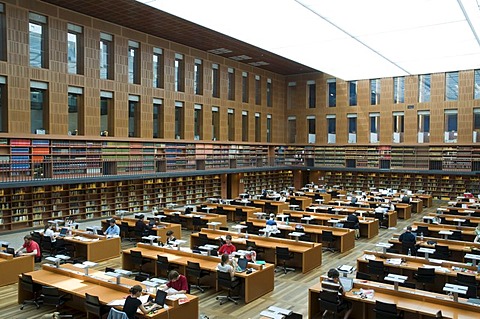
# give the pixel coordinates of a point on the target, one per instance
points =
(100, 232)
(347, 283)
(63, 232)
(10, 251)
(242, 264)
(160, 298)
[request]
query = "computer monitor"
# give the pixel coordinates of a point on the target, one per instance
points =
(160, 297)
(99, 232)
(63, 232)
(242, 264)
(10, 251)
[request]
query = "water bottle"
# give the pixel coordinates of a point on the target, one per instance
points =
(287, 222)
(421, 236)
(409, 251)
(246, 234)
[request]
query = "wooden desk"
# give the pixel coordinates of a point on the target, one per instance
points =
(307, 256)
(468, 233)
(457, 248)
(94, 247)
(276, 207)
(369, 226)
(410, 265)
(230, 210)
(448, 219)
(160, 228)
(344, 238)
(325, 196)
(426, 199)
(72, 282)
(415, 303)
(303, 201)
(255, 284)
(11, 267)
(205, 217)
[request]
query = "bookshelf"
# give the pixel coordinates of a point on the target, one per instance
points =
(255, 182)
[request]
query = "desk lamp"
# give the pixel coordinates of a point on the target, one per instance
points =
(85, 266)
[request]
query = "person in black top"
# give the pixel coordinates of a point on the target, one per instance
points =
(356, 224)
(132, 303)
(407, 236)
(332, 283)
(141, 227)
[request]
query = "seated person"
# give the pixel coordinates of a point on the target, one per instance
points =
(356, 224)
(353, 201)
(408, 236)
(132, 303)
(170, 238)
(141, 227)
(29, 247)
(299, 227)
(178, 282)
(227, 248)
(48, 231)
(332, 283)
(406, 199)
(251, 254)
(477, 234)
(227, 265)
(271, 221)
(113, 229)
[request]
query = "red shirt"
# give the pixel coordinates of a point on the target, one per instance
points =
(227, 249)
(179, 284)
(31, 247)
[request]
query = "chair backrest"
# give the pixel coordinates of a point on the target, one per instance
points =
(92, 304)
(426, 272)
(442, 249)
(141, 277)
(282, 252)
(91, 299)
(406, 246)
(224, 279)
(327, 235)
(379, 216)
(250, 243)
(136, 256)
(364, 276)
(385, 307)
(26, 283)
(197, 221)
(376, 267)
(116, 314)
(466, 279)
(423, 230)
(349, 224)
(193, 269)
(329, 300)
(162, 260)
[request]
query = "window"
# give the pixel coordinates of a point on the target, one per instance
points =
(106, 113)
(133, 62)
(38, 107)
(106, 56)
(198, 77)
(291, 94)
(476, 90)
(399, 90)
(424, 88)
(451, 126)
(269, 92)
(311, 127)
(215, 80)
(398, 127)
(451, 86)
(352, 93)
(3, 105)
(215, 123)
(269, 128)
(292, 129)
(258, 128)
(38, 45)
(75, 110)
(244, 126)
(197, 122)
(311, 94)
(231, 84)
(245, 96)
(134, 116)
(231, 124)
(331, 129)
(75, 49)
(423, 118)
(476, 125)
(3, 34)
(179, 73)
(258, 90)
(352, 128)
(374, 127)
(158, 68)
(158, 118)
(374, 92)
(179, 120)
(332, 92)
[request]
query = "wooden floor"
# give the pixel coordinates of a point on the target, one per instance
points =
(291, 289)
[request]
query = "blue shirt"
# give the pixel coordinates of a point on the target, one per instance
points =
(113, 230)
(271, 222)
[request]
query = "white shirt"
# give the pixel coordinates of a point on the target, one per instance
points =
(50, 233)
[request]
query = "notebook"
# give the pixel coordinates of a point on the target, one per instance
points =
(347, 283)
(242, 264)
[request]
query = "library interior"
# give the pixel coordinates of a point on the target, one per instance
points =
(155, 163)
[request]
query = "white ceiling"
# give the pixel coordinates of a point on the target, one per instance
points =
(349, 39)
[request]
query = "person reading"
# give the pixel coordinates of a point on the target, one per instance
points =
(227, 248)
(177, 282)
(170, 238)
(227, 265)
(251, 254)
(133, 303)
(333, 284)
(30, 247)
(271, 221)
(113, 229)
